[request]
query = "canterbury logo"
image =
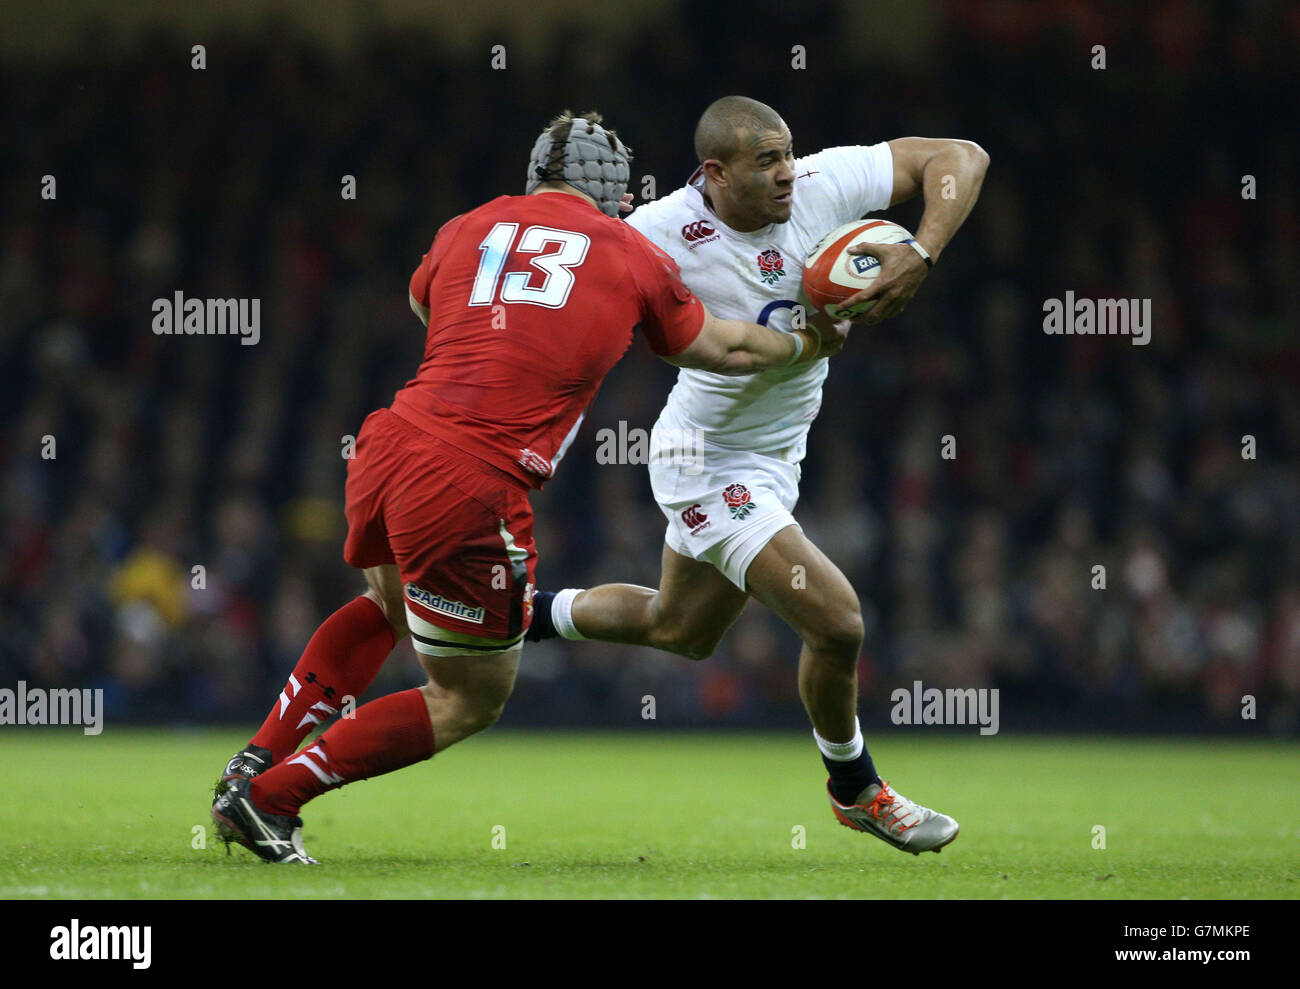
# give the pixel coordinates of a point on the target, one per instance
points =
(694, 518)
(697, 230)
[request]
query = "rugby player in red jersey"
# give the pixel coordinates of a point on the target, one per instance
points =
(529, 301)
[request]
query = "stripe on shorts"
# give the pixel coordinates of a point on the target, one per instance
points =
(519, 571)
(431, 640)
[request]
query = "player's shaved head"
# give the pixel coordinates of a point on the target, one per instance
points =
(728, 122)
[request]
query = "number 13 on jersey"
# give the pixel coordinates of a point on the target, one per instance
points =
(556, 266)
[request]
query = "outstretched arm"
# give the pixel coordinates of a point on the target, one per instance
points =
(735, 347)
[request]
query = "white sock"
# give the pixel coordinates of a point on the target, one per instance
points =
(835, 751)
(562, 613)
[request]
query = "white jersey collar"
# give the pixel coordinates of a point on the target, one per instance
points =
(695, 187)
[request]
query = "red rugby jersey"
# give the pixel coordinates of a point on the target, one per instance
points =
(532, 299)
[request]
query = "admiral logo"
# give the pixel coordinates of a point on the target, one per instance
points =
(695, 519)
(699, 232)
(438, 603)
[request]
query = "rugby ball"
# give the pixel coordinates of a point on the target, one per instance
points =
(831, 274)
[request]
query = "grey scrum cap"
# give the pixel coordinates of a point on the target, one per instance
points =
(592, 160)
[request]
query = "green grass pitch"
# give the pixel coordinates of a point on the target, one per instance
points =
(655, 814)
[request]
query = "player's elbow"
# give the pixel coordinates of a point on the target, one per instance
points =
(734, 363)
(736, 349)
(720, 359)
(973, 153)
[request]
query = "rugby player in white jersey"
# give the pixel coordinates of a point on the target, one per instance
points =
(739, 231)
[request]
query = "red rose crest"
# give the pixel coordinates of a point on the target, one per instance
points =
(738, 501)
(771, 265)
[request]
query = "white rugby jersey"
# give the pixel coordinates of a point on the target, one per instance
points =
(758, 277)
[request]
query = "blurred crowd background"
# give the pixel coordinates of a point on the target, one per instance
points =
(1072, 452)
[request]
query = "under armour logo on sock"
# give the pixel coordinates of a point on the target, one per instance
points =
(327, 691)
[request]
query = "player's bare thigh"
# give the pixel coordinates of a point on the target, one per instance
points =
(695, 605)
(384, 587)
(466, 694)
(688, 614)
(799, 582)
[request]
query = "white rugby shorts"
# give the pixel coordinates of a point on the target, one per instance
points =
(723, 506)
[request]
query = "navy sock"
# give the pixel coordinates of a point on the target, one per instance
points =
(850, 778)
(542, 626)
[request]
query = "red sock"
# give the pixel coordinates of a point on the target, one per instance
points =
(340, 661)
(384, 735)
